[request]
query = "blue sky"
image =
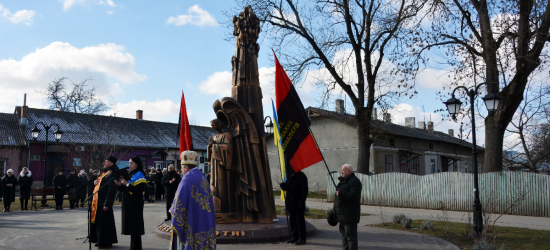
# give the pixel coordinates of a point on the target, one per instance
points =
(141, 55)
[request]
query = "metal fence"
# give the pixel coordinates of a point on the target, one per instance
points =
(516, 193)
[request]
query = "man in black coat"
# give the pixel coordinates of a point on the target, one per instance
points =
(59, 189)
(81, 188)
(295, 203)
(158, 182)
(103, 230)
(25, 185)
(72, 182)
(170, 181)
(9, 182)
(347, 205)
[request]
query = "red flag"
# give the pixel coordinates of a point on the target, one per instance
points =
(184, 132)
(300, 149)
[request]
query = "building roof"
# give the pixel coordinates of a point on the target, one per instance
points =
(10, 131)
(88, 129)
(393, 129)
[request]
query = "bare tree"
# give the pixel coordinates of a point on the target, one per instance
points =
(80, 99)
(353, 48)
(498, 42)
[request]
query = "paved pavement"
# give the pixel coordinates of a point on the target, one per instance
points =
(50, 229)
(538, 223)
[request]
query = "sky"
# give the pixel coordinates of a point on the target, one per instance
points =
(143, 54)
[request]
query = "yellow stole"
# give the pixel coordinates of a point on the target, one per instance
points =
(96, 196)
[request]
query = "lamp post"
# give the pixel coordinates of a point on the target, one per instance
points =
(453, 106)
(35, 132)
(269, 126)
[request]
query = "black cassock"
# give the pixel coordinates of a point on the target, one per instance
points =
(103, 231)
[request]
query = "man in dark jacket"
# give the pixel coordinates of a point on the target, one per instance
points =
(347, 205)
(72, 182)
(81, 188)
(158, 182)
(59, 187)
(103, 230)
(295, 203)
(170, 181)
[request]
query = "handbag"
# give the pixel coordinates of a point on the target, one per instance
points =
(332, 218)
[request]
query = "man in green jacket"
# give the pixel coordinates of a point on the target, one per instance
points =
(347, 204)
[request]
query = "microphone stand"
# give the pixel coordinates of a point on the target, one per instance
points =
(89, 200)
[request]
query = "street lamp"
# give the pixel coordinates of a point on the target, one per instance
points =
(269, 126)
(35, 132)
(453, 106)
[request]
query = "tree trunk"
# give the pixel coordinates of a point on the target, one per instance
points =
(364, 141)
(494, 134)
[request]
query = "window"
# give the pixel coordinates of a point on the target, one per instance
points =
(156, 156)
(392, 143)
(143, 159)
(433, 165)
(431, 146)
(404, 165)
(77, 162)
(35, 157)
(415, 165)
(389, 163)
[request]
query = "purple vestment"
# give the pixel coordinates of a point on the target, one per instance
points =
(193, 215)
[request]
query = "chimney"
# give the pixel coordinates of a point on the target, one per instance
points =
(139, 114)
(374, 114)
(409, 122)
(387, 117)
(340, 106)
(451, 133)
(421, 125)
(24, 112)
(431, 127)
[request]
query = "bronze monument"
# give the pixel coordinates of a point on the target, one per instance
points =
(241, 178)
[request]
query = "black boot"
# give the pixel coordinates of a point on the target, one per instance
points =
(293, 240)
(26, 203)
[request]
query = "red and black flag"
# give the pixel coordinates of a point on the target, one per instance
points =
(184, 131)
(298, 144)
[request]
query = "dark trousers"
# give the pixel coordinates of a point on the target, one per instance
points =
(135, 242)
(169, 200)
(7, 204)
(297, 225)
(59, 200)
(349, 236)
(72, 203)
(24, 202)
(158, 192)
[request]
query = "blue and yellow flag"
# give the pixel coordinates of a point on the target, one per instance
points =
(279, 145)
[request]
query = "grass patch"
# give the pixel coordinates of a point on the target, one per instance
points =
(16, 205)
(312, 214)
(512, 237)
(312, 195)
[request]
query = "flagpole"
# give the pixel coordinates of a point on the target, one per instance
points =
(312, 135)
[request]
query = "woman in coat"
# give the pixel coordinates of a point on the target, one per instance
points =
(132, 203)
(59, 189)
(25, 185)
(151, 185)
(9, 183)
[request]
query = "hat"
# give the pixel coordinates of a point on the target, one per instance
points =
(164, 169)
(10, 171)
(61, 170)
(73, 170)
(112, 159)
(95, 171)
(189, 158)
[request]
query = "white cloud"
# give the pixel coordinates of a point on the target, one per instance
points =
(159, 110)
(34, 71)
(21, 16)
(67, 4)
(434, 79)
(218, 83)
(110, 12)
(108, 2)
(196, 16)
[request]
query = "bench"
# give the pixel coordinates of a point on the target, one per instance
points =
(37, 196)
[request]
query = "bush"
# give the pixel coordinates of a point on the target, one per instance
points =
(427, 225)
(406, 222)
(398, 218)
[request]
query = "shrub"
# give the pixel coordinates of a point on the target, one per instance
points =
(406, 222)
(398, 218)
(427, 225)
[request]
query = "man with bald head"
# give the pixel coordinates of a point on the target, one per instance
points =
(347, 205)
(170, 181)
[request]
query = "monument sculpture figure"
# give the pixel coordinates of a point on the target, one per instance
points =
(240, 175)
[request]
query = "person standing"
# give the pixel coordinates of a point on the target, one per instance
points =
(59, 187)
(295, 203)
(132, 203)
(158, 185)
(151, 185)
(91, 181)
(25, 186)
(170, 181)
(191, 218)
(81, 188)
(347, 205)
(103, 230)
(72, 182)
(9, 182)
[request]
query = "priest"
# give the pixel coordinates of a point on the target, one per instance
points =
(103, 231)
(193, 215)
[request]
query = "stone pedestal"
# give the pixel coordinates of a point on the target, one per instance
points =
(232, 233)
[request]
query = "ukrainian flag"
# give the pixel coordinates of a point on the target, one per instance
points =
(279, 145)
